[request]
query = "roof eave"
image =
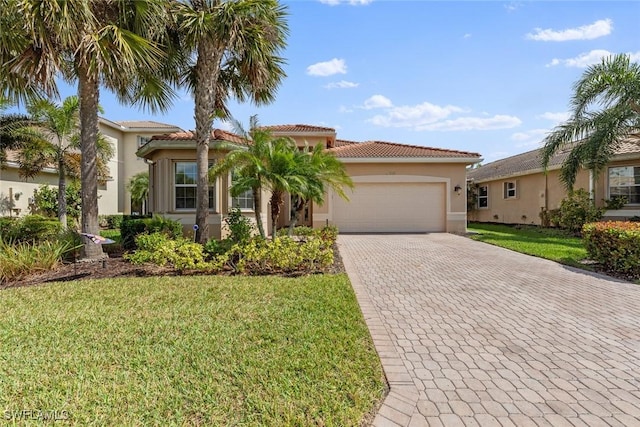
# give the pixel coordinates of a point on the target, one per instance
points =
(466, 160)
(180, 144)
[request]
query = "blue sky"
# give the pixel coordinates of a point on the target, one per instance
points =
(484, 76)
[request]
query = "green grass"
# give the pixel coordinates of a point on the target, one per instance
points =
(552, 244)
(202, 350)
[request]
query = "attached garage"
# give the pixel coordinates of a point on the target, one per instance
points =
(415, 207)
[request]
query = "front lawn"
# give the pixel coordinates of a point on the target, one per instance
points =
(552, 244)
(199, 350)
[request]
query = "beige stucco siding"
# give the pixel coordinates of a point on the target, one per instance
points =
(534, 192)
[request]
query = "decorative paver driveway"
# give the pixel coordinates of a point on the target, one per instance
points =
(470, 334)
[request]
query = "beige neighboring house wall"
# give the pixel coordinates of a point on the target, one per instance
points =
(536, 190)
(113, 198)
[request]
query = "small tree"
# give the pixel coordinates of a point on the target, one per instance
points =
(576, 210)
(138, 186)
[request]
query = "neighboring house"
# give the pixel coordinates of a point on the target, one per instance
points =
(125, 136)
(515, 190)
(398, 188)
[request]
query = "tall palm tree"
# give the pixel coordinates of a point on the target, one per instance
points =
(10, 124)
(322, 170)
(234, 46)
(114, 44)
(593, 134)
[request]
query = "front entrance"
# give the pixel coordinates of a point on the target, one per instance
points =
(304, 219)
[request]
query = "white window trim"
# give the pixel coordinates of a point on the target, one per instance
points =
(609, 181)
(215, 186)
(230, 197)
(484, 197)
(506, 189)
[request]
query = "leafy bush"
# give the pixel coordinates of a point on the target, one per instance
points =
(615, 245)
(111, 221)
(282, 255)
(160, 249)
(7, 226)
(18, 260)
(615, 203)
(240, 227)
(132, 227)
(32, 229)
(576, 210)
(300, 230)
(329, 233)
(45, 201)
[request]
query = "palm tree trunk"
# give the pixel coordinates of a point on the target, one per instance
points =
(62, 194)
(298, 208)
(89, 92)
(257, 210)
(276, 202)
(207, 70)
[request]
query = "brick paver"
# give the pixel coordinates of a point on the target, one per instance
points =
(470, 334)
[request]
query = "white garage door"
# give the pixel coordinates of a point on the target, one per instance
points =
(391, 207)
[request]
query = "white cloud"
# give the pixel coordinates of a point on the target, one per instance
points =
(414, 116)
(474, 123)
(351, 2)
(342, 84)
(583, 60)
(328, 68)
(512, 6)
(598, 29)
(344, 109)
(377, 101)
(530, 138)
(466, 36)
(555, 117)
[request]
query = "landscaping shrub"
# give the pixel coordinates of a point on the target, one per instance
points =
(7, 226)
(282, 255)
(33, 229)
(133, 226)
(240, 227)
(300, 230)
(20, 259)
(111, 221)
(45, 201)
(160, 249)
(576, 210)
(615, 245)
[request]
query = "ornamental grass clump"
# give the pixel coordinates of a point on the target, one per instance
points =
(20, 259)
(615, 245)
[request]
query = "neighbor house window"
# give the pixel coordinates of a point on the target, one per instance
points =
(142, 140)
(509, 190)
(625, 181)
(483, 196)
(243, 201)
(186, 184)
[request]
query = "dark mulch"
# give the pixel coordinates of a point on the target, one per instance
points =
(115, 266)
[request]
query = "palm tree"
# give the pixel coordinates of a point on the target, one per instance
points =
(248, 164)
(322, 170)
(54, 138)
(234, 45)
(593, 134)
(138, 186)
(116, 45)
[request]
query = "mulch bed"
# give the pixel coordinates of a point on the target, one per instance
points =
(115, 266)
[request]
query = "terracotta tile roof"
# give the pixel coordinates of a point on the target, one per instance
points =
(298, 128)
(531, 162)
(144, 124)
(218, 135)
(383, 149)
(343, 142)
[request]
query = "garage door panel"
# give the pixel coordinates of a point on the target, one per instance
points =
(391, 207)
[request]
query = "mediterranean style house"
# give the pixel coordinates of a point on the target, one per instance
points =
(398, 187)
(125, 136)
(515, 190)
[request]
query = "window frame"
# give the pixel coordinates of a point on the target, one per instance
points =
(481, 197)
(232, 199)
(609, 179)
(506, 190)
(213, 188)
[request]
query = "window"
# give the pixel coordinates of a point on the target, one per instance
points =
(483, 196)
(509, 190)
(243, 201)
(625, 181)
(143, 140)
(185, 186)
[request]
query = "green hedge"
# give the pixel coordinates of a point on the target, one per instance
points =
(615, 245)
(134, 226)
(30, 229)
